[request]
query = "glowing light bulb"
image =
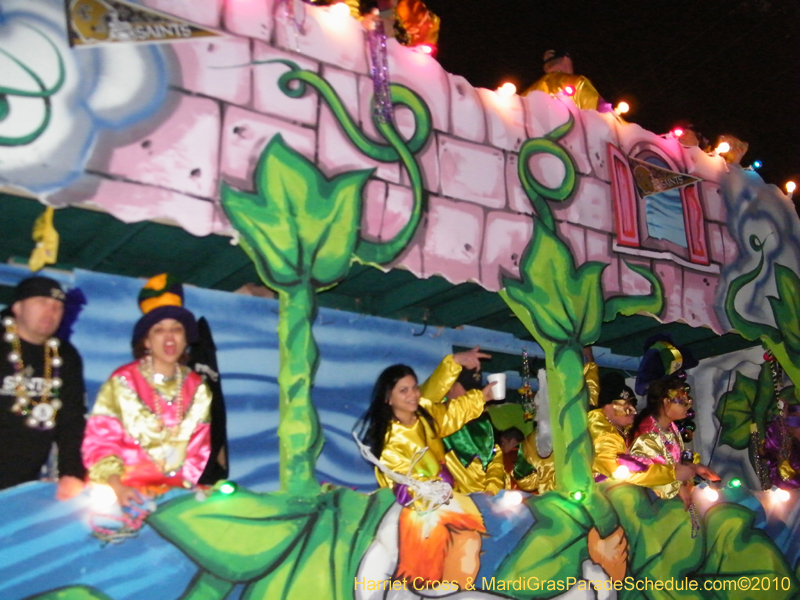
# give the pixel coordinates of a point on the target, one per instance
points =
(228, 488)
(340, 10)
(102, 496)
(791, 186)
(711, 494)
(512, 498)
(677, 132)
(578, 496)
(780, 494)
(757, 164)
(723, 148)
(735, 483)
(507, 90)
(622, 108)
(425, 48)
(569, 90)
(622, 472)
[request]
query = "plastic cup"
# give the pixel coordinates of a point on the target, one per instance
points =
(499, 387)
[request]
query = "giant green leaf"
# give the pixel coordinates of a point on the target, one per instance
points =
(736, 549)
(660, 543)
(324, 563)
(236, 537)
(786, 308)
(566, 303)
(553, 548)
(280, 543)
(735, 412)
(749, 402)
(299, 226)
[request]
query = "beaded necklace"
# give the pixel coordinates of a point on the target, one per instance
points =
(149, 374)
(39, 413)
(667, 441)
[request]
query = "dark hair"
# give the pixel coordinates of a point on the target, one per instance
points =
(512, 433)
(656, 392)
(373, 424)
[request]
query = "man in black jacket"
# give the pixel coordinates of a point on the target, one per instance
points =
(42, 398)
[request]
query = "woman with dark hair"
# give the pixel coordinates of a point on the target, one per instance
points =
(403, 428)
(658, 440)
(149, 428)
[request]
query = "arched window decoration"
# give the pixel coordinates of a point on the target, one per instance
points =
(656, 207)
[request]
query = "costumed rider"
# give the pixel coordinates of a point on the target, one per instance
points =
(440, 529)
(610, 427)
(557, 66)
(534, 470)
(149, 428)
(472, 456)
(42, 400)
(658, 441)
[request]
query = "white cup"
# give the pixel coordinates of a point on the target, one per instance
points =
(499, 387)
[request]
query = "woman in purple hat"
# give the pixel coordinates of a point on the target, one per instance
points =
(149, 428)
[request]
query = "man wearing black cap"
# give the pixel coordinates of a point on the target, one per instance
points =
(42, 398)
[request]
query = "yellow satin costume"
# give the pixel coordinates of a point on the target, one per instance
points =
(650, 446)
(125, 436)
(585, 97)
(543, 479)
(609, 444)
(401, 442)
(424, 538)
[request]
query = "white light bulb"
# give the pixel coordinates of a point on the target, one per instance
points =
(340, 10)
(622, 473)
(507, 90)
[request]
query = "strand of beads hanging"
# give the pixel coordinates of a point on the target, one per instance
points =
(379, 71)
(293, 25)
(757, 449)
(152, 378)
(525, 392)
(777, 376)
(695, 520)
(39, 411)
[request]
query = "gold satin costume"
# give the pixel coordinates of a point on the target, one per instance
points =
(609, 444)
(402, 442)
(586, 97)
(125, 437)
(543, 478)
(650, 447)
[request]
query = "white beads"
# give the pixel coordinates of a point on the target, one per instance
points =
(57, 361)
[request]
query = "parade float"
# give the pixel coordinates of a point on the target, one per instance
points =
(288, 141)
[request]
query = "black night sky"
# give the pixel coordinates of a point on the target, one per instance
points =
(724, 66)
